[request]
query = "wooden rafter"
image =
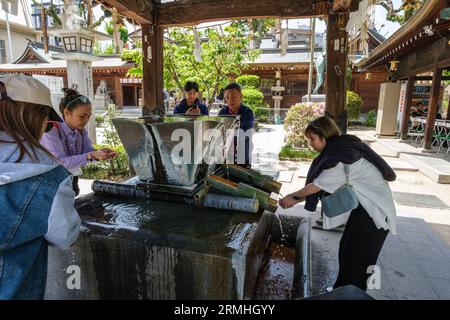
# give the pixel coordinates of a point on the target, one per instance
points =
(409, 37)
(194, 12)
(190, 12)
(142, 11)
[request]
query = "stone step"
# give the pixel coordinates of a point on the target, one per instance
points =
(434, 167)
(399, 165)
(382, 150)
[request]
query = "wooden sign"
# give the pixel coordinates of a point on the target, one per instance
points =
(341, 5)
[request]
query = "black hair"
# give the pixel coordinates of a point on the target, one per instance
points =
(191, 85)
(232, 86)
(70, 100)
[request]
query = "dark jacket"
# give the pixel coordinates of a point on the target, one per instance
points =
(247, 116)
(183, 107)
(346, 149)
(247, 121)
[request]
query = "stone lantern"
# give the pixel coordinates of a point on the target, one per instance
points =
(78, 42)
(277, 91)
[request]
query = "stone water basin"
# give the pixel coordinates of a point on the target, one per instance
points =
(144, 249)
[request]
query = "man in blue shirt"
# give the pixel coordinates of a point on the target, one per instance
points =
(233, 98)
(191, 105)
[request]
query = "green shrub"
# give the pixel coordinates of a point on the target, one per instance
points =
(354, 104)
(288, 152)
(248, 80)
(112, 169)
(371, 120)
(99, 120)
(297, 119)
(254, 99)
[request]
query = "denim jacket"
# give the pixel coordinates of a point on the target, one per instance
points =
(36, 208)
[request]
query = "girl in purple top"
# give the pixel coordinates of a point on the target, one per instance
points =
(69, 141)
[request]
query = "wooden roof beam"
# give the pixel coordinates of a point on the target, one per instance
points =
(141, 11)
(192, 13)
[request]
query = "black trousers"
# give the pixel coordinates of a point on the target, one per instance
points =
(359, 248)
(75, 186)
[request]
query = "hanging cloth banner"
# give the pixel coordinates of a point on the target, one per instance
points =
(197, 46)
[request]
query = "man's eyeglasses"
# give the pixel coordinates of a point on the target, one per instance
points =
(83, 99)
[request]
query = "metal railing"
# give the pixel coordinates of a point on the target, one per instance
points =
(441, 134)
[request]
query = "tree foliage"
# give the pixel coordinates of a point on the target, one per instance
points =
(248, 80)
(222, 55)
(253, 97)
(123, 31)
(136, 56)
(354, 105)
(256, 28)
(402, 14)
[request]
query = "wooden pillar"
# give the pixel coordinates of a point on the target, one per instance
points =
(408, 104)
(136, 95)
(119, 91)
(432, 108)
(44, 29)
(153, 85)
(336, 79)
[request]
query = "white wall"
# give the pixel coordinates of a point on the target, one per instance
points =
(18, 37)
(19, 42)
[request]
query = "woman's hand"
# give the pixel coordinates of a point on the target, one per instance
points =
(110, 153)
(289, 201)
(102, 154)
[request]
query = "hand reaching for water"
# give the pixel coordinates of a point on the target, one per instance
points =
(289, 201)
(109, 153)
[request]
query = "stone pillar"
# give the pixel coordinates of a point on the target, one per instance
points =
(79, 77)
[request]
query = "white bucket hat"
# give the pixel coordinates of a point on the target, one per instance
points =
(28, 89)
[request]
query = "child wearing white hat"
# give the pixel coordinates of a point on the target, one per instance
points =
(36, 196)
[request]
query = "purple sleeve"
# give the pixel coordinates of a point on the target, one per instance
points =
(87, 143)
(52, 142)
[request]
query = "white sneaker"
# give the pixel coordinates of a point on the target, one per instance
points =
(329, 289)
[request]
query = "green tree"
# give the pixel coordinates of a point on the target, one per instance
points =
(354, 105)
(222, 55)
(256, 29)
(107, 50)
(136, 56)
(253, 97)
(402, 14)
